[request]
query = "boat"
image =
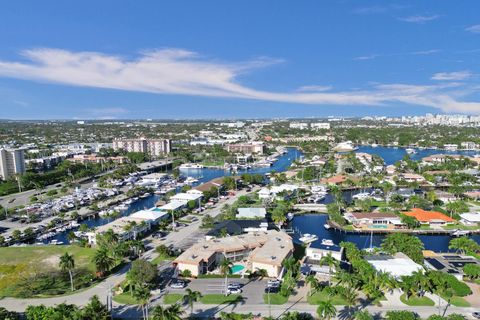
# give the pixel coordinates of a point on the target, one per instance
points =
(410, 151)
(121, 206)
(187, 166)
(191, 180)
(460, 233)
(55, 242)
(327, 226)
(145, 195)
(327, 242)
(290, 216)
(308, 238)
(361, 196)
(128, 201)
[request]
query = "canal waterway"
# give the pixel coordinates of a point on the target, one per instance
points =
(310, 223)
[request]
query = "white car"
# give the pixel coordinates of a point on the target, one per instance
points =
(178, 284)
(234, 290)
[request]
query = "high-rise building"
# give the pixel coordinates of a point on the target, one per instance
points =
(12, 162)
(154, 147)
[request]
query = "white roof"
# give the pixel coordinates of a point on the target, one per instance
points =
(186, 196)
(153, 215)
(398, 265)
(251, 212)
(472, 217)
(172, 205)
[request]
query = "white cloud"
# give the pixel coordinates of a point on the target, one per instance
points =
(181, 72)
(368, 57)
(474, 28)
(425, 52)
(314, 88)
(420, 18)
(452, 76)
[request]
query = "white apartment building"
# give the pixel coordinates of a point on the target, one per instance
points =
(320, 126)
(298, 125)
(154, 147)
(12, 162)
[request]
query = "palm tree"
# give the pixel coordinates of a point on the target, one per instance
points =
(326, 310)
(142, 295)
(67, 263)
(331, 262)
(314, 284)
(225, 270)
(362, 315)
(102, 260)
(174, 312)
(190, 297)
(350, 295)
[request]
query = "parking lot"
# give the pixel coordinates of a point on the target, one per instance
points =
(251, 290)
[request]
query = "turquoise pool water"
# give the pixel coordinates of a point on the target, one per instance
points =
(379, 227)
(236, 268)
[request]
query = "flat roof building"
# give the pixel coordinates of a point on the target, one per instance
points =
(12, 162)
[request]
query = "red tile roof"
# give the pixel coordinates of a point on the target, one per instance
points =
(427, 216)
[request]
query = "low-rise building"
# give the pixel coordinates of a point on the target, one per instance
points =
(237, 227)
(447, 262)
(256, 147)
(254, 251)
(251, 213)
(397, 265)
(374, 220)
(470, 219)
(432, 218)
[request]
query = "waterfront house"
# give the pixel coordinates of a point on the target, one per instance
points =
(335, 180)
(374, 220)
(447, 262)
(397, 265)
(251, 213)
(473, 194)
(444, 196)
(470, 219)
(412, 177)
(316, 251)
(432, 218)
(254, 251)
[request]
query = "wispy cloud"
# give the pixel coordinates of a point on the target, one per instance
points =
(420, 18)
(452, 76)
(425, 52)
(181, 72)
(378, 9)
(474, 28)
(315, 88)
(367, 57)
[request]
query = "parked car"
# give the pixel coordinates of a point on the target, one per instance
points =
(272, 289)
(234, 290)
(178, 284)
(235, 285)
(273, 283)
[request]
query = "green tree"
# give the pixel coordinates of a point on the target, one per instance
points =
(142, 295)
(103, 261)
(225, 270)
(362, 315)
(190, 297)
(141, 274)
(67, 263)
(174, 312)
(95, 310)
(331, 262)
(401, 242)
(326, 310)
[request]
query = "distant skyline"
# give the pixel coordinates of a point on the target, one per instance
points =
(249, 59)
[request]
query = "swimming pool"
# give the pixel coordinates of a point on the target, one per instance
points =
(380, 226)
(236, 268)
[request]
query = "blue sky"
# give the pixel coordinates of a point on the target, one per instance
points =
(227, 59)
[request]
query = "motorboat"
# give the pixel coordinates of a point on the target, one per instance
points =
(460, 233)
(145, 195)
(327, 226)
(55, 242)
(361, 196)
(290, 216)
(410, 151)
(187, 166)
(308, 238)
(327, 242)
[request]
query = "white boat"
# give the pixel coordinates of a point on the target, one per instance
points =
(327, 226)
(55, 242)
(361, 196)
(308, 238)
(145, 195)
(128, 201)
(121, 206)
(460, 233)
(327, 242)
(191, 180)
(290, 216)
(187, 166)
(410, 151)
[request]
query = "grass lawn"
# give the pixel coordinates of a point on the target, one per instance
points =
(458, 301)
(323, 296)
(172, 298)
(424, 227)
(459, 226)
(19, 264)
(275, 298)
(124, 298)
(220, 299)
(160, 258)
(417, 301)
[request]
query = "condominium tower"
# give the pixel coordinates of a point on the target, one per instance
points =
(12, 162)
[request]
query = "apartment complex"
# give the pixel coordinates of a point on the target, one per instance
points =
(154, 147)
(12, 162)
(247, 148)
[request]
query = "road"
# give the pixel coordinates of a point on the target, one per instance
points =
(179, 238)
